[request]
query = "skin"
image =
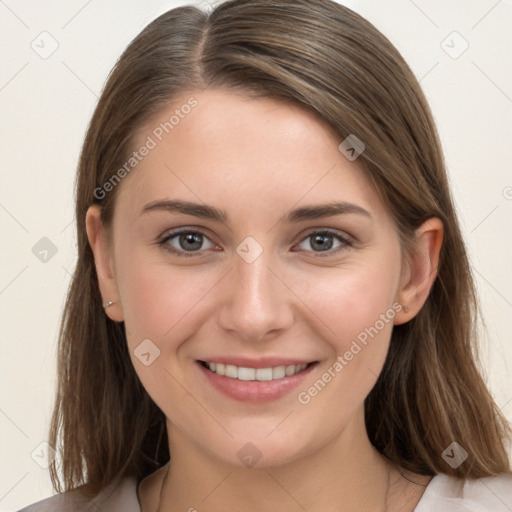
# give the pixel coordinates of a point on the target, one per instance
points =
(257, 159)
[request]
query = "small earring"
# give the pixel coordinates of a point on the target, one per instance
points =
(406, 309)
(108, 304)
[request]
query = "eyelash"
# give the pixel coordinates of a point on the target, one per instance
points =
(322, 254)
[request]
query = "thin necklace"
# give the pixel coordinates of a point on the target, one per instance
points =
(387, 491)
(164, 485)
(412, 481)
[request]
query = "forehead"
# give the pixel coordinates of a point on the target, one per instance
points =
(260, 154)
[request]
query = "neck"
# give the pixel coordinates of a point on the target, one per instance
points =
(333, 478)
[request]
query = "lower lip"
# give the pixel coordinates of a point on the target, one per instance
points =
(255, 391)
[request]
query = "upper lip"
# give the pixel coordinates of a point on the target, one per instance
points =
(263, 362)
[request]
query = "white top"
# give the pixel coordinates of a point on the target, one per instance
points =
(443, 494)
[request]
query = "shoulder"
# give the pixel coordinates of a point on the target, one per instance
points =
(120, 495)
(449, 494)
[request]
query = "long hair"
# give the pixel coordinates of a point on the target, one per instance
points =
(326, 58)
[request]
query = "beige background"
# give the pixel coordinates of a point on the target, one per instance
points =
(47, 102)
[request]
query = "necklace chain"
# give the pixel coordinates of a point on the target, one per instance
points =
(164, 484)
(412, 481)
(386, 504)
(166, 477)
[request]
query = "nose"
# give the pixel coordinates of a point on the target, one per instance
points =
(257, 302)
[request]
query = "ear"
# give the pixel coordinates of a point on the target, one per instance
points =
(103, 261)
(420, 270)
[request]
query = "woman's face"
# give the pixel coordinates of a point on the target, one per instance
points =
(260, 277)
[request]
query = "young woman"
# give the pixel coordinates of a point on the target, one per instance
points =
(272, 307)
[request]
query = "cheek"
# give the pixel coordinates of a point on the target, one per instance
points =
(356, 307)
(349, 300)
(158, 300)
(161, 308)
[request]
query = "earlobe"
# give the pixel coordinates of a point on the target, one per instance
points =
(103, 264)
(420, 270)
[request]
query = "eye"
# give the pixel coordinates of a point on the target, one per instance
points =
(191, 243)
(185, 243)
(324, 241)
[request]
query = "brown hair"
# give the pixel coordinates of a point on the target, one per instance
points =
(326, 58)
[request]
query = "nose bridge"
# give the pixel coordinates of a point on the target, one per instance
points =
(253, 282)
(256, 301)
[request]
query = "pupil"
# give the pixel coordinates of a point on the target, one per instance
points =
(324, 242)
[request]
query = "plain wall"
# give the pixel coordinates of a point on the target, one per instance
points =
(46, 105)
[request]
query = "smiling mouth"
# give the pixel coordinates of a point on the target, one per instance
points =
(256, 374)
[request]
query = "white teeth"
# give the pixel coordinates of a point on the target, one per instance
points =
(290, 370)
(231, 371)
(278, 372)
(246, 373)
(262, 374)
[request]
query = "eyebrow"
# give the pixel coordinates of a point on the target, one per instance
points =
(299, 214)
